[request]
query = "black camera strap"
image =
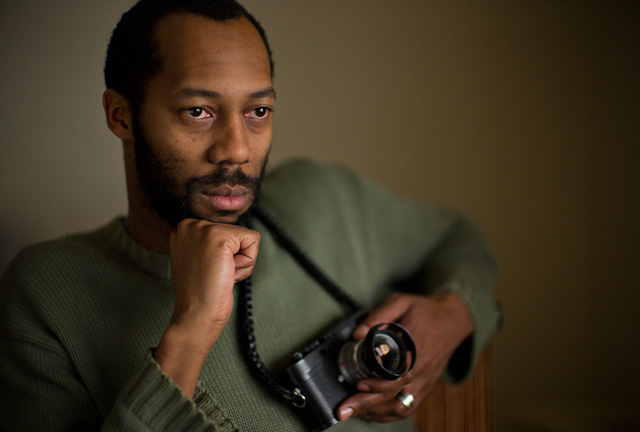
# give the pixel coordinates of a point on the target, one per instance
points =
(245, 308)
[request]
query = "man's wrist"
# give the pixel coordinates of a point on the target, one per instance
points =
(458, 309)
(181, 355)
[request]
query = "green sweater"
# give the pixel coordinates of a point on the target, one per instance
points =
(79, 316)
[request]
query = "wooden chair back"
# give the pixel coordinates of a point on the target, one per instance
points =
(460, 407)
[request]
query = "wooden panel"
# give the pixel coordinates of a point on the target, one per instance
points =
(460, 407)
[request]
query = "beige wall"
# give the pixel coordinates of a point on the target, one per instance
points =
(522, 113)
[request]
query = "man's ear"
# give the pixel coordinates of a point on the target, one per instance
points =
(118, 113)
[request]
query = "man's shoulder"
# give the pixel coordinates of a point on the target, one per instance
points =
(301, 194)
(304, 176)
(51, 257)
(303, 168)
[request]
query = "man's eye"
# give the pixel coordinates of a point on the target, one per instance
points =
(260, 113)
(198, 113)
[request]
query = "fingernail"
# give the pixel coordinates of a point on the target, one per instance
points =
(346, 413)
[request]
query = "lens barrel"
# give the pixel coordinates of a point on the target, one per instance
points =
(387, 352)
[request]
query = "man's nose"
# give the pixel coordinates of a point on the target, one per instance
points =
(230, 146)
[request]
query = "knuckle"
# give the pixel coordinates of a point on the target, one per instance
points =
(399, 411)
(361, 405)
(393, 387)
(390, 395)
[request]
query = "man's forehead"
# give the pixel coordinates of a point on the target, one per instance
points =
(201, 52)
(184, 38)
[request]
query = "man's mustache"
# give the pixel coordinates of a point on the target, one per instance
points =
(223, 176)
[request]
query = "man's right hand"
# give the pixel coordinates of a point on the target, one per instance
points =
(207, 259)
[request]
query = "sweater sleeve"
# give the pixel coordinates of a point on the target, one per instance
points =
(42, 389)
(39, 391)
(424, 249)
(150, 401)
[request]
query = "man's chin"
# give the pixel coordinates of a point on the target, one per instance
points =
(226, 217)
(231, 217)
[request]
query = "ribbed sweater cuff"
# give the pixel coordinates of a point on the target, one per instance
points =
(486, 316)
(151, 401)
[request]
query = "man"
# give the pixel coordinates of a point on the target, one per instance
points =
(132, 326)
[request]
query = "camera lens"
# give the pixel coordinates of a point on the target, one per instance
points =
(387, 352)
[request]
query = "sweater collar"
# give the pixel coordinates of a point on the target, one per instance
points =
(155, 263)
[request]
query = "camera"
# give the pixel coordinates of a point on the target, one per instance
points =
(327, 371)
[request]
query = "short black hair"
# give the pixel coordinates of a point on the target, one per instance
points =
(131, 55)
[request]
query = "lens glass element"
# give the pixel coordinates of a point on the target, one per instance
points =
(387, 352)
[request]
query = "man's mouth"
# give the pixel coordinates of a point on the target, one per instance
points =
(227, 198)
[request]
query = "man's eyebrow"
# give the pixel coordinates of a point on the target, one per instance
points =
(192, 92)
(268, 92)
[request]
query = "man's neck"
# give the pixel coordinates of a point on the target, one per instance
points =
(149, 230)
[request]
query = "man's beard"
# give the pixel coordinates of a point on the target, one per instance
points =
(173, 203)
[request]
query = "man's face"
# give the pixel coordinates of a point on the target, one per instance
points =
(205, 127)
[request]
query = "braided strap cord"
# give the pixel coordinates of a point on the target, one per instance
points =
(249, 341)
(245, 308)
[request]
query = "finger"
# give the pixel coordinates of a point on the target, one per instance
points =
(391, 310)
(246, 258)
(379, 385)
(358, 404)
(387, 411)
(373, 406)
(248, 248)
(400, 406)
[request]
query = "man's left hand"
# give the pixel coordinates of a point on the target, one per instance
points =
(438, 324)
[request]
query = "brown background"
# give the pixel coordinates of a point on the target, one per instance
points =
(524, 114)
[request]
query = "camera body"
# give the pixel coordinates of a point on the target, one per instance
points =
(327, 371)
